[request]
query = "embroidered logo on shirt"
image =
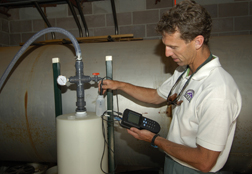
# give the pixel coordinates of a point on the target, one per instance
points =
(189, 94)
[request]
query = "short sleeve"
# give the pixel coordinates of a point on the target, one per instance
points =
(165, 88)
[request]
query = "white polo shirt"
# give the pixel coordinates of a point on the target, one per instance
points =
(207, 116)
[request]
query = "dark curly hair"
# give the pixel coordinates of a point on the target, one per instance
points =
(189, 18)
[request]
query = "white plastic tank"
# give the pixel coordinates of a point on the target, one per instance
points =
(81, 146)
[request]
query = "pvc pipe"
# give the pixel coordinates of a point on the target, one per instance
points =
(79, 79)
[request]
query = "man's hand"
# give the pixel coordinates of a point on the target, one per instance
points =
(144, 135)
(147, 95)
(199, 157)
(110, 84)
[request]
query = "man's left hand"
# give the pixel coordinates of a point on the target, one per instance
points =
(144, 135)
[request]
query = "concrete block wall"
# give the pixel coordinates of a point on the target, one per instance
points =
(4, 31)
(138, 17)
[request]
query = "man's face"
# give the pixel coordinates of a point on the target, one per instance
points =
(181, 52)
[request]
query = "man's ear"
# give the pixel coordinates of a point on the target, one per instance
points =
(198, 41)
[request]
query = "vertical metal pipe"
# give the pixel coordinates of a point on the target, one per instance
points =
(57, 90)
(75, 17)
(82, 18)
(111, 136)
(44, 17)
(114, 16)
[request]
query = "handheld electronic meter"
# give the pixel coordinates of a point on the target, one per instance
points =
(134, 119)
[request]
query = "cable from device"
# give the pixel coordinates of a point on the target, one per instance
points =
(117, 118)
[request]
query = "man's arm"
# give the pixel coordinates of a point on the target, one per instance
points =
(200, 158)
(147, 95)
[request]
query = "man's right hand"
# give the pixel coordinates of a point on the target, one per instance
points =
(110, 84)
(143, 94)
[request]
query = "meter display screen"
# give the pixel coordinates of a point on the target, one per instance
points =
(133, 118)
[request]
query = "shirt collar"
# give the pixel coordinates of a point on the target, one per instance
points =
(206, 69)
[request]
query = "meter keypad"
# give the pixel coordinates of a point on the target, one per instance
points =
(147, 123)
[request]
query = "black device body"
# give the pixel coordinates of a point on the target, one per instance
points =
(134, 119)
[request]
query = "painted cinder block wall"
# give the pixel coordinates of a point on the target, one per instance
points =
(138, 17)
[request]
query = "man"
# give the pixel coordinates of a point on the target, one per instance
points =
(205, 99)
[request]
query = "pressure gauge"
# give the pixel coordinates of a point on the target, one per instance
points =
(62, 80)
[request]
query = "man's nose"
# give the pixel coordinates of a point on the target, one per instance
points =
(168, 52)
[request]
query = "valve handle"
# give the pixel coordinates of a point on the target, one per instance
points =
(96, 74)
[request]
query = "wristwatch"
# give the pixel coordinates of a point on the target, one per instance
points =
(152, 141)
